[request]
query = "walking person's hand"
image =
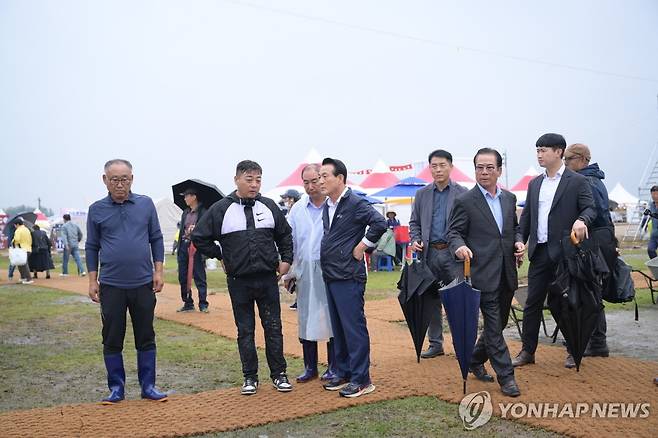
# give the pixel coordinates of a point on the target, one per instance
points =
(580, 229)
(93, 291)
(283, 269)
(417, 246)
(158, 282)
(464, 252)
(519, 253)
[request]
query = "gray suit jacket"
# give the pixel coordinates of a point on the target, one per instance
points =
(472, 224)
(420, 223)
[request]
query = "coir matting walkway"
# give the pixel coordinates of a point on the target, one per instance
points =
(394, 371)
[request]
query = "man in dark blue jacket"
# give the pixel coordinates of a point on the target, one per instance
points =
(346, 217)
(577, 158)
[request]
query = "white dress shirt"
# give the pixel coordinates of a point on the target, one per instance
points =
(546, 195)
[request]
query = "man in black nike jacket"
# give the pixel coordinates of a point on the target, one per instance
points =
(255, 248)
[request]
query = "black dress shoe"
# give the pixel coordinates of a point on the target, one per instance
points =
(480, 373)
(510, 388)
(598, 352)
(523, 358)
(569, 362)
(432, 352)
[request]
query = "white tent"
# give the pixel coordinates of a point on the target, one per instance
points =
(294, 180)
(621, 196)
(169, 215)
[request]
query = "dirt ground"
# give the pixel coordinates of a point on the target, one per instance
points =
(394, 370)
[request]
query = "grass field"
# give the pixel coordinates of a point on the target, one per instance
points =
(51, 354)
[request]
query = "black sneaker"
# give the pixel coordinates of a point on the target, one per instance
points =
(249, 386)
(186, 308)
(293, 306)
(204, 309)
(355, 390)
(281, 383)
(336, 384)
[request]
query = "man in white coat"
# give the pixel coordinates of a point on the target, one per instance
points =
(305, 218)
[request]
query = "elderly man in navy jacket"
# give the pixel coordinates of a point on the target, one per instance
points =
(346, 217)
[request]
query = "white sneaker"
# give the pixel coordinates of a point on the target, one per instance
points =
(249, 386)
(63, 275)
(27, 281)
(82, 274)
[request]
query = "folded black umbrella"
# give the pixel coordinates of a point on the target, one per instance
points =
(207, 194)
(419, 299)
(574, 298)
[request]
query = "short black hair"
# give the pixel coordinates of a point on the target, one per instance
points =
(440, 153)
(553, 141)
(36, 227)
(67, 217)
(654, 188)
(339, 167)
(245, 166)
(490, 151)
(19, 221)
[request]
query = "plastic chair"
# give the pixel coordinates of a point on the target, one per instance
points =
(385, 263)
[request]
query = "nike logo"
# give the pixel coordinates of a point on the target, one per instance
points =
(259, 220)
(258, 214)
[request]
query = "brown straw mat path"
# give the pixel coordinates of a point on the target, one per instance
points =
(394, 371)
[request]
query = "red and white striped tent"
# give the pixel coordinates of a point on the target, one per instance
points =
(456, 175)
(380, 178)
(520, 189)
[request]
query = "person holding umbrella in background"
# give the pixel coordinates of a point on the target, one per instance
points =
(483, 228)
(191, 215)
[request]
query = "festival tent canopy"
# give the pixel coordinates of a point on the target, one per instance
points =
(294, 180)
(621, 196)
(380, 178)
(405, 188)
(520, 189)
(169, 214)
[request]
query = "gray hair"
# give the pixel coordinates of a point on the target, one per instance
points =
(117, 161)
(314, 166)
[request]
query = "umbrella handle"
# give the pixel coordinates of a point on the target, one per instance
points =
(467, 267)
(574, 239)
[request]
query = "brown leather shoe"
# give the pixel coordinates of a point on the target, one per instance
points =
(510, 388)
(569, 362)
(523, 358)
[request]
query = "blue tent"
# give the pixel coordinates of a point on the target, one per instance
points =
(370, 199)
(405, 188)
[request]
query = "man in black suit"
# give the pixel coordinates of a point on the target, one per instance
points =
(558, 202)
(484, 228)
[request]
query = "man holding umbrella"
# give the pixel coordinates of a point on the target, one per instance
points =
(483, 228)
(191, 215)
(558, 202)
(428, 226)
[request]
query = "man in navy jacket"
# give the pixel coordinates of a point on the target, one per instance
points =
(345, 218)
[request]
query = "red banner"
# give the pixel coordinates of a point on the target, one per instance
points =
(399, 168)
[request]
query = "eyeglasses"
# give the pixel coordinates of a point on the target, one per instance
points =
(489, 169)
(123, 180)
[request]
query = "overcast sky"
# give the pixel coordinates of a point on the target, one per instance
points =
(188, 88)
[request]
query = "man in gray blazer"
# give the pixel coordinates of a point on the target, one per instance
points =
(427, 227)
(483, 228)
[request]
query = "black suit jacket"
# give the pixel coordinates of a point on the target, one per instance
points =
(573, 199)
(472, 224)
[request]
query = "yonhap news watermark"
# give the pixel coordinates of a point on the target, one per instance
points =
(476, 410)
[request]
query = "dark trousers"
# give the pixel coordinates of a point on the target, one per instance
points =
(264, 291)
(443, 266)
(495, 307)
(198, 272)
(652, 246)
(541, 273)
(598, 340)
(25, 271)
(140, 302)
(399, 252)
(348, 322)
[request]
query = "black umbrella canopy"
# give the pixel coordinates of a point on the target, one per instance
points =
(418, 299)
(207, 194)
(29, 219)
(574, 298)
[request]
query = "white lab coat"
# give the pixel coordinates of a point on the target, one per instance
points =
(312, 308)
